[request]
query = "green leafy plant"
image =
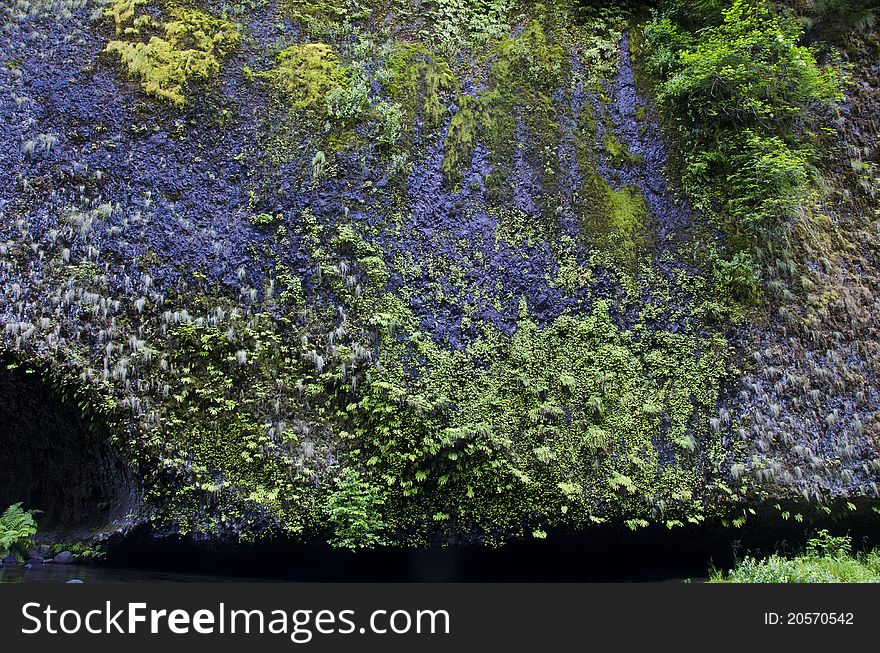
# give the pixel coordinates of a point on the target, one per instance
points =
(390, 125)
(349, 102)
(826, 559)
(744, 93)
(353, 509)
(17, 528)
(825, 544)
(736, 277)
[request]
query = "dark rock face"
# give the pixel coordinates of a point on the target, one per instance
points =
(52, 460)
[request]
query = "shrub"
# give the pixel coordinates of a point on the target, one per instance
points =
(745, 71)
(744, 93)
(353, 509)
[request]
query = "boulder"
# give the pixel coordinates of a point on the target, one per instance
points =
(63, 558)
(34, 556)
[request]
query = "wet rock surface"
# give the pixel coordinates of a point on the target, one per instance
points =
(244, 324)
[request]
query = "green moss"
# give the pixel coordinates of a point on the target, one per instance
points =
(265, 219)
(616, 222)
(123, 14)
(186, 49)
(627, 223)
(461, 139)
(417, 81)
(618, 153)
(524, 73)
(325, 17)
(306, 74)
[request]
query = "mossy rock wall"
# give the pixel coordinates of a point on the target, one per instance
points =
(340, 272)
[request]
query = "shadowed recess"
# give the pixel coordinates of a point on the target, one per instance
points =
(54, 460)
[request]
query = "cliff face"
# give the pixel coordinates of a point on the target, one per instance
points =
(404, 272)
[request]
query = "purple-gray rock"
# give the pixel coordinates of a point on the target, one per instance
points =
(34, 556)
(63, 558)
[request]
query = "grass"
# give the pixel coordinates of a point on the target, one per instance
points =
(827, 559)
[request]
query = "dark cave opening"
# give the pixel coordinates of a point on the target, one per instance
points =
(54, 460)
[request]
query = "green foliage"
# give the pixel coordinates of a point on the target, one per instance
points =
(186, 49)
(767, 180)
(349, 102)
(17, 528)
(555, 425)
(839, 18)
(827, 559)
(736, 278)
(390, 127)
(617, 152)
(742, 91)
(353, 509)
(748, 70)
(88, 551)
(456, 24)
(826, 544)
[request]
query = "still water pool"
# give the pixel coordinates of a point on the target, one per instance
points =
(50, 573)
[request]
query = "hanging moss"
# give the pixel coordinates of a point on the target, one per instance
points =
(525, 72)
(418, 81)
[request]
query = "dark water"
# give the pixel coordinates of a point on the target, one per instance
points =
(49, 573)
(652, 555)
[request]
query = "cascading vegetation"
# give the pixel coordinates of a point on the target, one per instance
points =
(743, 92)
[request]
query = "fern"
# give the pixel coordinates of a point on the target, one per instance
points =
(17, 528)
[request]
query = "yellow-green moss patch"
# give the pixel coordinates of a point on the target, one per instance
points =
(188, 48)
(306, 74)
